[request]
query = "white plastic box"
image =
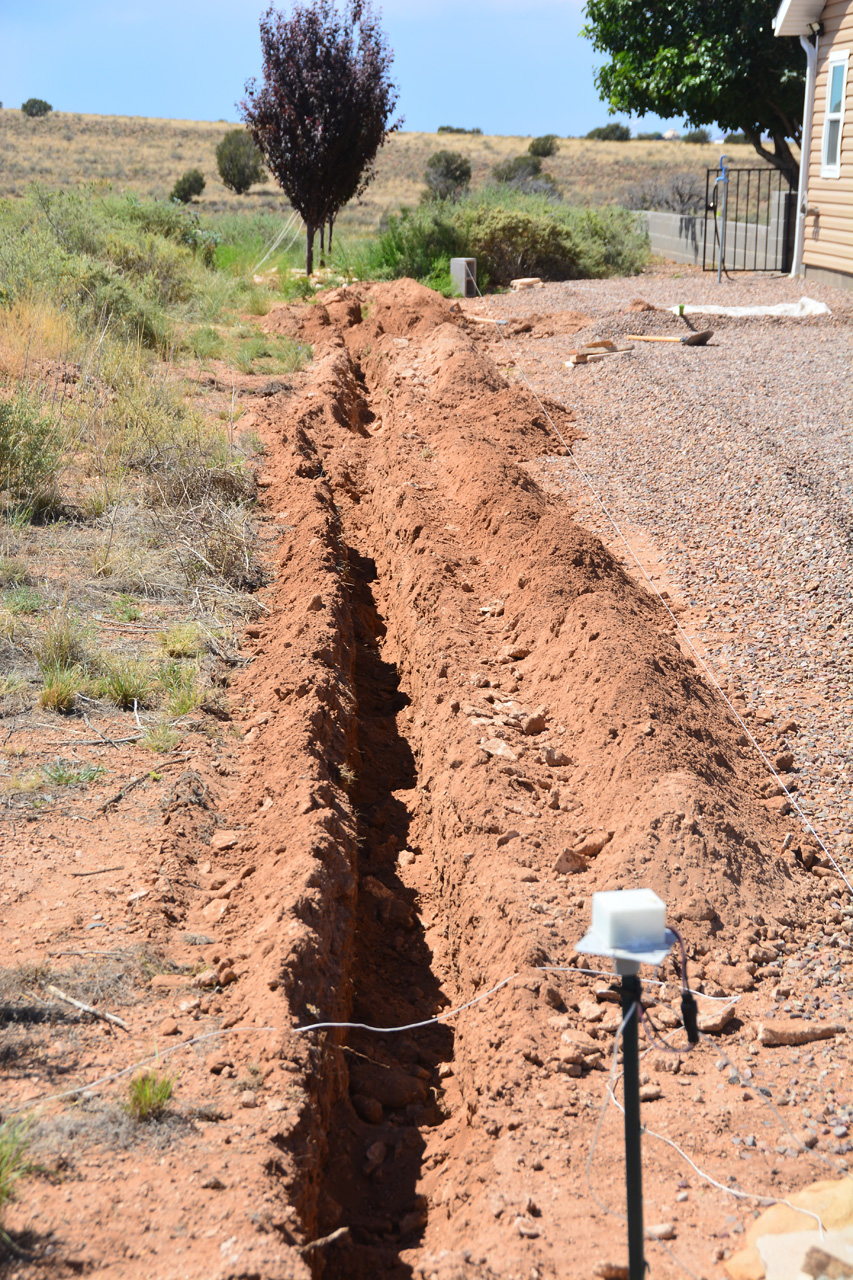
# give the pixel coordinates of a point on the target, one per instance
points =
(463, 276)
(629, 920)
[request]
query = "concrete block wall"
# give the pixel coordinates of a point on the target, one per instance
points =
(678, 237)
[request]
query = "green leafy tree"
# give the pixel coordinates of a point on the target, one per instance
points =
(323, 109)
(188, 186)
(36, 107)
(696, 135)
(706, 61)
(239, 161)
(447, 175)
(613, 132)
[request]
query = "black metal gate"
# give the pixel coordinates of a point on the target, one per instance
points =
(749, 218)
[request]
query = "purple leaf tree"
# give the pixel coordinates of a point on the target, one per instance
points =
(323, 109)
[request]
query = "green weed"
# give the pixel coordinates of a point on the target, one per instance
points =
(24, 600)
(180, 684)
(126, 609)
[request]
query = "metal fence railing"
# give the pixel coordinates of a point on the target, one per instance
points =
(748, 220)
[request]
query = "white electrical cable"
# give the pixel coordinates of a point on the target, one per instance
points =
(794, 804)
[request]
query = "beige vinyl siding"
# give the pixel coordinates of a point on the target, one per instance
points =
(829, 234)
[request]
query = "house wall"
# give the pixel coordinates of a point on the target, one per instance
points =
(828, 241)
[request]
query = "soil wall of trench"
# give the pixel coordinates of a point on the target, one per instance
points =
(462, 719)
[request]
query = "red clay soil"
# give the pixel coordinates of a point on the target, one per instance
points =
(461, 718)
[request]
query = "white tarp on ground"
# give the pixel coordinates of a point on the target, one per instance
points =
(805, 307)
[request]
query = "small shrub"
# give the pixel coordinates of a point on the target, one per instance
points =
(696, 135)
(148, 1095)
(60, 689)
(126, 609)
(13, 572)
(239, 161)
(34, 107)
(188, 186)
(732, 139)
(127, 681)
(654, 136)
(517, 170)
(450, 128)
(29, 450)
(679, 193)
(447, 175)
(613, 132)
(544, 146)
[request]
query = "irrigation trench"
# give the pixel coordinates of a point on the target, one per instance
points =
(462, 718)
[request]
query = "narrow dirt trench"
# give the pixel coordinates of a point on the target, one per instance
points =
(376, 1143)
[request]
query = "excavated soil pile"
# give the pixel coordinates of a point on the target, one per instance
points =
(470, 719)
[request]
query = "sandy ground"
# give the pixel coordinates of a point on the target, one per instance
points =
(459, 717)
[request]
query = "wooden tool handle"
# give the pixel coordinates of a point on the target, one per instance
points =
(638, 337)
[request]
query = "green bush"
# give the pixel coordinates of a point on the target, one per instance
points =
(655, 136)
(613, 132)
(36, 107)
(696, 135)
(544, 146)
(510, 233)
(239, 161)
(188, 186)
(732, 138)
(450, 128)
(518, 169)
(447, 175)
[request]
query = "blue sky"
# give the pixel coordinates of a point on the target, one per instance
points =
(507, 66)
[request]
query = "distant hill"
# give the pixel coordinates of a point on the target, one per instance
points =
(147, 155)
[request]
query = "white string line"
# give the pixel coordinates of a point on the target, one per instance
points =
(730, 1191)
(610, 1096)
(768, 1102)
(277, 240)
(794, 804)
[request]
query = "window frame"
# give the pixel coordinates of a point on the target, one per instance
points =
(837, 58)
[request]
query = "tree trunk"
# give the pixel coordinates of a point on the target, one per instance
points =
(331, 225)
(322, 243)
(781, 157)
(309, 248)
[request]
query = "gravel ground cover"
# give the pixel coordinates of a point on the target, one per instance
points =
(734, 463)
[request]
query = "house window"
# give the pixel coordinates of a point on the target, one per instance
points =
(833, 121)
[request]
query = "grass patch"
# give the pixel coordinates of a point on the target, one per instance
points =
(148, 1095)
(184, 640)
(63, 644)
(180, 684)
(60, 689)
(14, 1162)
(160, 738)
(128, 682)
(24, 600)
(71, 773)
